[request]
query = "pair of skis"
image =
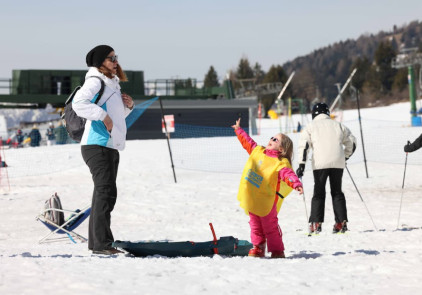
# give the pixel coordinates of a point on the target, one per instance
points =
(316, 233)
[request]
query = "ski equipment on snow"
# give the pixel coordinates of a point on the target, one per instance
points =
(402, 188)
(229, 246)
(314, 228)
(361, 198)
(304, 201)
(340, 227)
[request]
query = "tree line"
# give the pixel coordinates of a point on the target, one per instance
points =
(318, 73)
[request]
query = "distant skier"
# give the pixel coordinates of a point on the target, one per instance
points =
(60, 134)
(16, 139)
(411, 147)
(50, 134)
(326, 138)
(35, 136)
(266, 180)
(19, 138)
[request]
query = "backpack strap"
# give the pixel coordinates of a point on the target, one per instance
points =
(100, 93)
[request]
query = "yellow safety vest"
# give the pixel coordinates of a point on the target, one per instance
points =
(258, 185)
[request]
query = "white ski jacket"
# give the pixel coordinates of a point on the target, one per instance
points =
(331, 143)
(111, 103)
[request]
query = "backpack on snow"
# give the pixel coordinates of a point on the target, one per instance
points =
(54, 215)
(74, 124)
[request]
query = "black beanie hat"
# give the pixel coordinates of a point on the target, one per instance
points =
(97, 55)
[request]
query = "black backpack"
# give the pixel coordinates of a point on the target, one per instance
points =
(74, 124)
(56, 214)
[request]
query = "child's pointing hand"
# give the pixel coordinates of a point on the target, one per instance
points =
(237, 126)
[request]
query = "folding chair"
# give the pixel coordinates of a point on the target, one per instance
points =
(68, 227)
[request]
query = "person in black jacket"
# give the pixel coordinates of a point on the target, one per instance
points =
(50, 135)
(411, 147)
(61, 134)
(35, 136)
(19, 138)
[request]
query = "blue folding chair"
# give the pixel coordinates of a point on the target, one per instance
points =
(67, 228)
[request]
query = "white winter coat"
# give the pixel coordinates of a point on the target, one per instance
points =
(331, 142)
(111, 103)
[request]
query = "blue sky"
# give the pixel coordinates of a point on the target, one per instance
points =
(183, 38)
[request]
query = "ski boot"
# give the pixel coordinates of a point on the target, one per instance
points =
(340, 227)
(344, 227)
(257, 250)
(337, 227)
(315, 228)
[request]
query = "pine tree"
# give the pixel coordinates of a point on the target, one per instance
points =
(183, 83)
(211, 78)
(362, 65)
(275, 74)
(244, 70)
(383, 57)
(400, 79)
(259, 74)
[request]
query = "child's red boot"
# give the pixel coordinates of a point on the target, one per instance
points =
(257, 250)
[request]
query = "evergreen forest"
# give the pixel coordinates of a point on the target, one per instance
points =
(320, 74)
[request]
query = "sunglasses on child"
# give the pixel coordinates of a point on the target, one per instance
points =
(112, 58)
(275, 139)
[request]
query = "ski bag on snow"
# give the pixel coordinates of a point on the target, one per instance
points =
(228, 246)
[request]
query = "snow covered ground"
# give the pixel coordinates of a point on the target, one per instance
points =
(369, 259)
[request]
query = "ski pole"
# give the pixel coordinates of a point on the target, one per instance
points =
(361, 198)
(402, 189)
(168, 138)
(304, 202)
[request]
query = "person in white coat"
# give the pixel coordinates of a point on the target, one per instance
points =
(332, 144)
(104, 136)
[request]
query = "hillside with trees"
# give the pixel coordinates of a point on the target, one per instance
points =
(318, 73)
(378, 82)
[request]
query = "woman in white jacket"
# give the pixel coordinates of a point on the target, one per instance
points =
(332, 144)
(104, 136)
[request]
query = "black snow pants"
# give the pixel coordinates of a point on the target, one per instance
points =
(103, 164)
(318, 200)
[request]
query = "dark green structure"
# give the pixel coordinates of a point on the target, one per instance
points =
(37, 88)
(62, 82)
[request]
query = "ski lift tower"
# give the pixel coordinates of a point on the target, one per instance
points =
(409, 57)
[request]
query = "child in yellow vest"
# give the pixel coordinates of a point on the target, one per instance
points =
(266, 180)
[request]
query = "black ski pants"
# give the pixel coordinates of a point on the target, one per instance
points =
(318, 200)
(103, 164)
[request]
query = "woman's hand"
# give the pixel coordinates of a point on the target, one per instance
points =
(108, 123)
(299, 189)
(237, 125)
(128, 101)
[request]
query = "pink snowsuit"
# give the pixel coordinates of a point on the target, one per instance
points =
(266, 228)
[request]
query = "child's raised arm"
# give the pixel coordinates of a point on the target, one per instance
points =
(247, 142)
